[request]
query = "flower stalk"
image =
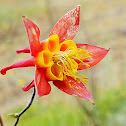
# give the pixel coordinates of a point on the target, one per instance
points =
(18, 115)
(1, 121)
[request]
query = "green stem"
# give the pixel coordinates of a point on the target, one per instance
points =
(18, 115)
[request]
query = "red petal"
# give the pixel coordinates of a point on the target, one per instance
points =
(26, 50)
(67, 27)
(72, 87)
(26, 88)
(98, 54)
(24, 63)
(42, 86)
(33, 35)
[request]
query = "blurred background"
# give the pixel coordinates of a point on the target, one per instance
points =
(102, 23)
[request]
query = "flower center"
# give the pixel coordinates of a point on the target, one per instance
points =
(67, 60)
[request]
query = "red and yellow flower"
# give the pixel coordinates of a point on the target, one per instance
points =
(58, 58)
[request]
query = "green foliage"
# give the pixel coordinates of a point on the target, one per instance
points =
(52, 115)
(109, 110)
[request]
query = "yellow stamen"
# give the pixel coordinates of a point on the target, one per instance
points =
(84, 79)
(66, 59)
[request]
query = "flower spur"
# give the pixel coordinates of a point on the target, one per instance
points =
(58, 58)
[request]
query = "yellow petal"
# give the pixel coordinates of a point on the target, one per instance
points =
(67, 45)
(53, 43)
(44, 59)
(54, 72)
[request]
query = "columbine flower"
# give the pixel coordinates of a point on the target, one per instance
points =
(58, 58)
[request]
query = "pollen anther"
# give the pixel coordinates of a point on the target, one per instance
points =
(66, 60)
